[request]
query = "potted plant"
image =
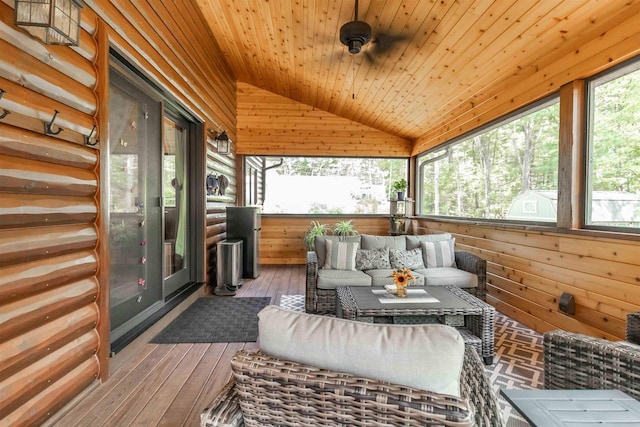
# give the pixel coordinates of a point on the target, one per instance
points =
(316, 229)
(399, 186)
(343, 229)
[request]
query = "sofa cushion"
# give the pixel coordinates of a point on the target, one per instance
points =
(411, 259)
(427, 357)
(340, 255)
(448, 276)
(367, 259)
(439, 254)
(379, 242)
(330, 279)
(414, 241)
(320, 245)
(383, 277)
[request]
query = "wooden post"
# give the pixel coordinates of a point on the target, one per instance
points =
(571, 167)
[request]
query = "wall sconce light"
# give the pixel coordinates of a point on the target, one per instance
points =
(52, 21)
(223, 142)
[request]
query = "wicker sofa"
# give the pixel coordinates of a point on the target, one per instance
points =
(314, 370)
(268, 391)
(575, 361)
(469, 272)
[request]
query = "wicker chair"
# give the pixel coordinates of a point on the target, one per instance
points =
(268, 391)
(323, 301)
(575, 361)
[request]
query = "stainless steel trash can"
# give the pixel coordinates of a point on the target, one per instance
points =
(229, 263)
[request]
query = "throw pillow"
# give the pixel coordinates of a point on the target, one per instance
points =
(340, 255)
(372, 259)
(394, 353)
(439, 254)
(411, 259)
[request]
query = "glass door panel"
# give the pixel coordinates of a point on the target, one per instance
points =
(176, 244)
(134, 194)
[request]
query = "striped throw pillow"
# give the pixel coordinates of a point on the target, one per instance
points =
(439, 254)
(340, 255)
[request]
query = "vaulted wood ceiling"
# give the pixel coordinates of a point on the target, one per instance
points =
(451, 55)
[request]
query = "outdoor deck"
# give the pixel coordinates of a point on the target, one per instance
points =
(170, 384)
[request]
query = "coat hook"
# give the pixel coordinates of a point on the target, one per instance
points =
(48, 127)
(5, 113)
(87, 139)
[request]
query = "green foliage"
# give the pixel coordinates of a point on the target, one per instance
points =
(343, 229)
(316, 229)
(399, 185)
(480, 176)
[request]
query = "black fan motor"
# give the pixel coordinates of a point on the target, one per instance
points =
(354, 35)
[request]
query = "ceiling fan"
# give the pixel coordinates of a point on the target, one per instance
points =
(357, 34)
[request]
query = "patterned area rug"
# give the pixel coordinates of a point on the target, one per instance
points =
(517, 364)
(215, 319)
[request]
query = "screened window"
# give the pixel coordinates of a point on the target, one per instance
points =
(330, 185)
(613, 178)
(508, 171)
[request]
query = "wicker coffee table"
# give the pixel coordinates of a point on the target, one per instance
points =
(474, 319)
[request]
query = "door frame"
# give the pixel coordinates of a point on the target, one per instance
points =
(196, 155)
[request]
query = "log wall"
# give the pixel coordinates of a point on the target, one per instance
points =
(272, 124)
(49, 210)
(54, 309)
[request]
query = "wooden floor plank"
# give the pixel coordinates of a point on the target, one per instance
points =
(171, 384)
(171, 388)
(86, 406)
(146, 390)
(214, 384)
(183, 404)
(123, 389)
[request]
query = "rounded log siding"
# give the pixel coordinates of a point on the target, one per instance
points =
(22, 280)
(48, 237)
(55, 396)
(32, 177)
(30, 346)
(21, 387)
(41, 210)
(30, 145)
(25, 245)
(28, 313)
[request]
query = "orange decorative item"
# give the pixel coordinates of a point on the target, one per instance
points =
(402, 278)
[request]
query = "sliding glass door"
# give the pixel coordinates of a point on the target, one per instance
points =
(150, 251)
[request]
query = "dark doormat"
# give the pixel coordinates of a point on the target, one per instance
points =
(215, 319)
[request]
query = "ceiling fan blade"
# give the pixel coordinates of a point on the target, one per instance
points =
(370, 57)
(383, 42)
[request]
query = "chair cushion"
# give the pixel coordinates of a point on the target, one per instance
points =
(448, 276)
(379, 242)
(367, 259)
(330, 279)
(411, 259)
(427, 357)
(385, 277)
(319, 244)
(340, 255)
(439, 254)
(414, 241)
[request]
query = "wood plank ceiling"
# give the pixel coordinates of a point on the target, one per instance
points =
(449, 55)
